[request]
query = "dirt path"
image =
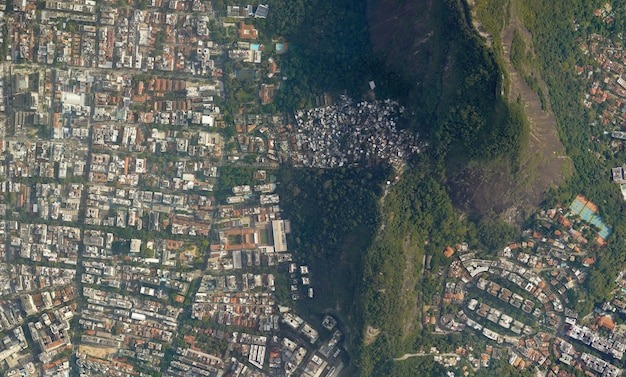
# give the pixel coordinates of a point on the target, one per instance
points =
(545, 147)
(420, 354)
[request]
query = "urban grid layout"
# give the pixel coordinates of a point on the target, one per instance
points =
(121, 252)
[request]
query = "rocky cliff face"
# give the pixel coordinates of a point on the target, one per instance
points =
(426, 44)
(403, 30)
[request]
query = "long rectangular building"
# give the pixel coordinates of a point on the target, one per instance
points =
(280, 236)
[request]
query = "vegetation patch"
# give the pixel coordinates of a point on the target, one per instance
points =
(334, 215)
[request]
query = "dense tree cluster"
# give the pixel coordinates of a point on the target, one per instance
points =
(419, 219)
(334, 215)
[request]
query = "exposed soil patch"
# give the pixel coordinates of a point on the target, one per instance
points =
(370, 335)
(100, 353)
(544, 138)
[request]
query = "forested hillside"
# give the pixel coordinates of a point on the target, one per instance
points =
(371, 251)
(459, 106)
(334, 215)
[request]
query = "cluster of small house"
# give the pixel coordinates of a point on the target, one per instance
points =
(534, 349)
(606, 87)
(496, 316)
(525, 279)
(347, 133)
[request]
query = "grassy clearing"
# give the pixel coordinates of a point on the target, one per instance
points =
(264, 236)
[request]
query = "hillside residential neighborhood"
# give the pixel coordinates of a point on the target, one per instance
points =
(520, 300)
